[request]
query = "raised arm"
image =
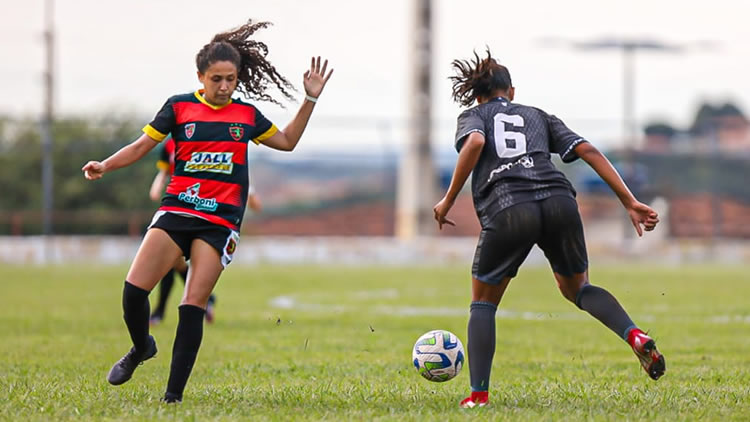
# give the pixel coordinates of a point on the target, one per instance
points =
(157, 186)
(126, 156)
(640, 214)
(315, 80)
(467, 160)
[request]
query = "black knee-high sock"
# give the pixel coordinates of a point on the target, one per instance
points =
(604, 307)
(185, 350)
(165, 286)
(481, 344)
(135, 313)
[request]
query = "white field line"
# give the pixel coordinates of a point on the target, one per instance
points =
(289, 302)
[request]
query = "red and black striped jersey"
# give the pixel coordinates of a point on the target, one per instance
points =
(210, 178)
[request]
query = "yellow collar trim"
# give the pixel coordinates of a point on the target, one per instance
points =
(199, 96)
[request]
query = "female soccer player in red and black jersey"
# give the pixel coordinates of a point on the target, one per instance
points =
(202, 209)
(521, 199)
(165, 166)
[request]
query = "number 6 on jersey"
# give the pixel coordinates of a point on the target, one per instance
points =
(509, 143)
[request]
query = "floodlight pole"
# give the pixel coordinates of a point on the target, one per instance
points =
(417, 178)
(46, 123)
(630, 128)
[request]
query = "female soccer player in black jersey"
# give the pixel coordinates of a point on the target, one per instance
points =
(201, 212)
(521, 199)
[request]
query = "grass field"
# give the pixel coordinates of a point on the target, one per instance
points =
(308, 343)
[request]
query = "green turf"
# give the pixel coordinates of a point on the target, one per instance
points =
(343, 352)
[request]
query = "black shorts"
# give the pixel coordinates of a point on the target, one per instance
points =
(183, 230)
(553, 223)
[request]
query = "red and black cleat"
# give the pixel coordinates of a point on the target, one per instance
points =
(477, 399)
(645, 348)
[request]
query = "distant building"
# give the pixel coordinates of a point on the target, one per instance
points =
(722, 129)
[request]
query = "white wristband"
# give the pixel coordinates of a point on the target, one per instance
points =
(311, 99)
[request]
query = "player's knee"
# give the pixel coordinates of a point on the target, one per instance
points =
(570, 286)
(195, 299)
(488, 292)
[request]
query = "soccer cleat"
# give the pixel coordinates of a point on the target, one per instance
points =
(123, 370)
(171, 398)
(155, 319)
(645, 348)
(477, 399)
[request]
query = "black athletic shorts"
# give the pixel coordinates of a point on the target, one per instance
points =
(553, 223)
(183, 230)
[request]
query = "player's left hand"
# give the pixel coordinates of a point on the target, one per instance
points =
(643, 215)
(441, 210)
(316, 78)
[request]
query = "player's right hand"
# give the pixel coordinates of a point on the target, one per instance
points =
(441, 210)
(93, 170)
(643, 215)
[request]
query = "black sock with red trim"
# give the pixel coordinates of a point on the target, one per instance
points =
(604, 307)
(481, 336)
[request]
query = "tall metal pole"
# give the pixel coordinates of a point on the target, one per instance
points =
(46, 124)
(629, 126)
(417, 177)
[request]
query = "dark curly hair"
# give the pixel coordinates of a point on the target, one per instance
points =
(254, 72)
(478, 78)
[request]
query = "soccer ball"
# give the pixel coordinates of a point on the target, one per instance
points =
(438, 355)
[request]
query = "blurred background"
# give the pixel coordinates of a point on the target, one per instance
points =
(661, 88)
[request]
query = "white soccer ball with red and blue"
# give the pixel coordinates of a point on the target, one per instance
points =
(438, 355)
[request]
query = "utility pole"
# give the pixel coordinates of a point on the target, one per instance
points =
(628, 48)
(417, 177)
(47, 117)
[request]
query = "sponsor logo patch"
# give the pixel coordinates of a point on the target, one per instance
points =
(191, 197)
(236, 131)
(213, 162)
(189, 130)
(525, 162)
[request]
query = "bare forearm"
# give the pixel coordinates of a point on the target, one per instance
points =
(609, 174)
(467, 159)
(158, 185)
(129, 154)
(293, 131)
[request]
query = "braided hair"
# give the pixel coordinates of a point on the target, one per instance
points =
(254, 72)
(478, 78)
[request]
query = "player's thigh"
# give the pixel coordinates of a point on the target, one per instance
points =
(205, 269)
(562, 238)
(153, 260)
(505, 243)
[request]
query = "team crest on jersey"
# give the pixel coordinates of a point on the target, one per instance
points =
(213, 162)
(191, 196)
(236, 131)
(189, 130)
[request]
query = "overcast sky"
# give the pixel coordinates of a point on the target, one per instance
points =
(129, 56)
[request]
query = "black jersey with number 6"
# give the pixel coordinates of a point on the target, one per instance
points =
(515, 165)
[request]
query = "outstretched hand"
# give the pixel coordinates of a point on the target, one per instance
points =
(441, 211)
(93, 170)
(316, 78)
(643, 215)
